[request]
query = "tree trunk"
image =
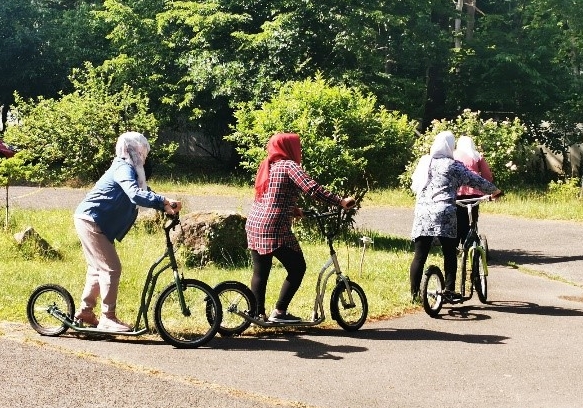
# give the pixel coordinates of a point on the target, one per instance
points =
(471, 11)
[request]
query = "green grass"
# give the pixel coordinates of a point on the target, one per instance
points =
(207, 188)
(384, 275)
(527, 203)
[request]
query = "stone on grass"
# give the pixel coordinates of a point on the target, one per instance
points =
(213, 237)
(31, 244)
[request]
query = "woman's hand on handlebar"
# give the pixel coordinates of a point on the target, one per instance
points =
(497, 194)
(172, 207)
(347, 203)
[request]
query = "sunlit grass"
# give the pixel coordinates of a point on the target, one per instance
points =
(202, 189)
(384, 274)
(527, 203)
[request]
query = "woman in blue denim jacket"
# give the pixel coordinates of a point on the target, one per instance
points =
(106, 214)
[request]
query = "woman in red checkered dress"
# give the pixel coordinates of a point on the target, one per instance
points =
(280, 181)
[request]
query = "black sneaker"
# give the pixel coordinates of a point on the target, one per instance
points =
(452, 296)
(284, 317)
(416, 299)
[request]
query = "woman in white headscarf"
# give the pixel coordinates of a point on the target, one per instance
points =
(435, 182)
(466, 153)
(106, 214)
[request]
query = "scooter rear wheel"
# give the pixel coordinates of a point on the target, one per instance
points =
(432, 287)
(43, 303)
(235, 297)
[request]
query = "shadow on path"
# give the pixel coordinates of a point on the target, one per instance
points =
(295, 342)
(503, 257)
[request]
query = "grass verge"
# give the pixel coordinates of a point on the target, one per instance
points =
(383, 274)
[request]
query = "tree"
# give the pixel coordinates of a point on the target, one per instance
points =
(42, 42)
(197, 60)
(518, 61)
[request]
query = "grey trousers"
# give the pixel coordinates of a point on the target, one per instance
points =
(103, 268)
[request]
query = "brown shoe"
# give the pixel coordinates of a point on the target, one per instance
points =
(86, 318)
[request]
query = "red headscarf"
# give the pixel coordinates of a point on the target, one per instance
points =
(281, 146)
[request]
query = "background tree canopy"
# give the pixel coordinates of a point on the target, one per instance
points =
(197, 62)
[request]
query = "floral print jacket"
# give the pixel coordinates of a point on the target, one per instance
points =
(435, 209)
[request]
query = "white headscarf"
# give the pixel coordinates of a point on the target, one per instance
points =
(465, 147)
(442, 147)
(133, 147)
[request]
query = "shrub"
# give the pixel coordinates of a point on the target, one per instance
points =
(501, 143)
(349, 144)
(74, 137)
(564, 190)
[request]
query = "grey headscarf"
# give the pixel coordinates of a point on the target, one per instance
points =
(133, 147)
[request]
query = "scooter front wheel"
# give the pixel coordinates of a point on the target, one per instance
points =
(46, 302)
(350, 315)
(187, 327)
(432, 287)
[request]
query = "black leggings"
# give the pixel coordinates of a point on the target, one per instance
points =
(422, 248)
(295, 265)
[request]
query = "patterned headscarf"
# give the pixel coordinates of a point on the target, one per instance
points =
(281, 146)
(133, 147)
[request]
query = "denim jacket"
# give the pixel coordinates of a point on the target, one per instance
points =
(112, 202)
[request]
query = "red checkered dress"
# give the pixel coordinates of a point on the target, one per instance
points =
(269, 222)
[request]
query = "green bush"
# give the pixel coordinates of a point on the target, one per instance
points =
(73, 138)
(349, 144)
(501, 143)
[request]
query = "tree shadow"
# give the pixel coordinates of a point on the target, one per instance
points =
(528, 308)
(504, 257)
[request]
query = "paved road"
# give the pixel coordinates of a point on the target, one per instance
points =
(521, 350)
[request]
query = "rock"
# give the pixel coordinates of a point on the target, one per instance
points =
(217, 237)
(32, 244)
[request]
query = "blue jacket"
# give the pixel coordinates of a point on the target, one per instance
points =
(112, 202)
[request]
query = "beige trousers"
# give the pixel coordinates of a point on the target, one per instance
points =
(103, 268)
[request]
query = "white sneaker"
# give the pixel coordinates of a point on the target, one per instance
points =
(112, 324)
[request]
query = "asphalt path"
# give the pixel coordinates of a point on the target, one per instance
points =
(522, 349)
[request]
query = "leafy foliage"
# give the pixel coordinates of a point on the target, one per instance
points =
(197, 61)
(73, 138)
(501, 143)
(42, 42)
(348, 142)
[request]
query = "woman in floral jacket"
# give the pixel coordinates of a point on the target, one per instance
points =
(435, 182)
